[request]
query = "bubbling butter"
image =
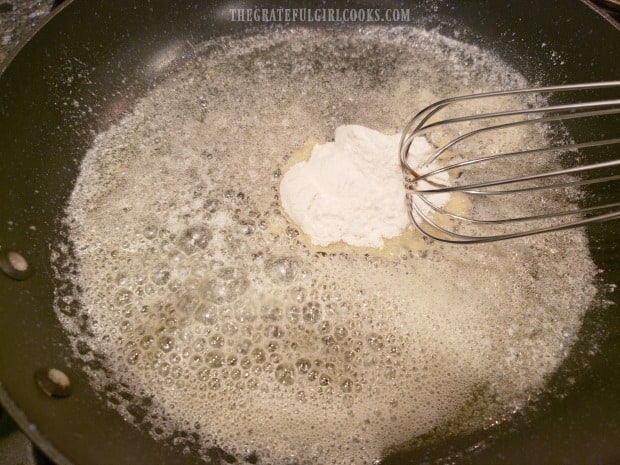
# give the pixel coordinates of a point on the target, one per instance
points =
(198, 294)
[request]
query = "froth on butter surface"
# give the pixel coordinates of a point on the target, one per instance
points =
(200, 296)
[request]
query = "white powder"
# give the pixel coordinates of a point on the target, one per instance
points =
(352, 189)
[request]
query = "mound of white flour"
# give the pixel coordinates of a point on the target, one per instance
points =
(351, 189)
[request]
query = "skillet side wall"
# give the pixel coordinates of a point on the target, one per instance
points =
(87, 66)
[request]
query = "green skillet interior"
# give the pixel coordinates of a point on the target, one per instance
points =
(98, 53)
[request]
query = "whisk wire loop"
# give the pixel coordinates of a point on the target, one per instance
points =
(513, 172)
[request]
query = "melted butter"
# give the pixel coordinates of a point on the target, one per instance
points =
(198, 299)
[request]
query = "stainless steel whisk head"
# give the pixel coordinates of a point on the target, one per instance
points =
(514, 163)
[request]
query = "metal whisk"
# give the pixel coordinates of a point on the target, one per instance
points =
(514, 163)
